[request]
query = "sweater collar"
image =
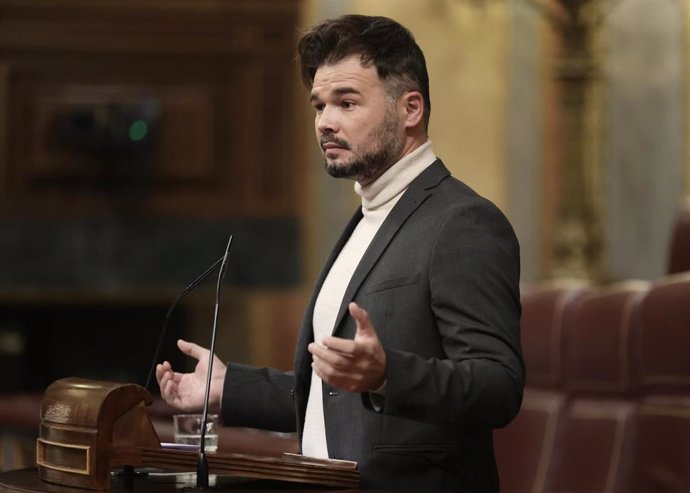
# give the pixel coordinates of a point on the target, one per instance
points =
(383, 193)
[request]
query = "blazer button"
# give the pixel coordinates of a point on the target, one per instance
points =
(332, 393)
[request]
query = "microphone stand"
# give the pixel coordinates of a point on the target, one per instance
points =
(182, 294)
(202, 464)
(128, 472)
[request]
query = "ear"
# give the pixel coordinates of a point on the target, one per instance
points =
(412, 107)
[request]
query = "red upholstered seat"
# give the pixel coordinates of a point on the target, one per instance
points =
(544, 309)
(679, 258)
(598, 340)
(661, 461)
(525, 447)
(595, 431)
(663, 342)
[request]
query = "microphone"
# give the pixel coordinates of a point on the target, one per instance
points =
(182, 294)
(202, 464)
(128, 471)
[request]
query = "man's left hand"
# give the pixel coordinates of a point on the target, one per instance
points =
(357, 365)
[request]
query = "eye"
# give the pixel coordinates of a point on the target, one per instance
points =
(318, 107)
(347, 104)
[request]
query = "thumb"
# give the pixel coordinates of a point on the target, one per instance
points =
(190, 349)
(364, 327)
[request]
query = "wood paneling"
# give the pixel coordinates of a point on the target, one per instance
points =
(221, 72)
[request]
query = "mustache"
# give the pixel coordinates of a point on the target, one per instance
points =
(328, 138)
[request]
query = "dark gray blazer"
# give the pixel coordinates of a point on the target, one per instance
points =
(440, 283)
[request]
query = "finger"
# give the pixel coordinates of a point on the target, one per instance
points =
(162, 380)
(360, 315)
(176, 377)
(316, 349)
(334, 360)
(317, 369)
(346, 347)
(160, 371)
(338, 379)
(364, 327)
(168, 389)
(334, 347)
(320, 352)
(190, 349)
(327, 372)
(166, 377)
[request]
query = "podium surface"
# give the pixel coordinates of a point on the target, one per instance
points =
(28, 481)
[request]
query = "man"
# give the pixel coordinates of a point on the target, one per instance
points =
(409, 352)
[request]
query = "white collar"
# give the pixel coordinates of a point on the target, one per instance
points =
(388, 188)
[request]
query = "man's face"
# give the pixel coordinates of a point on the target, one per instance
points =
(356, 122)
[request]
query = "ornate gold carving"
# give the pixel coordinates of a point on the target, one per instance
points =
(577, 245)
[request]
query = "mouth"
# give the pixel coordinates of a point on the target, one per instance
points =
(333, 144)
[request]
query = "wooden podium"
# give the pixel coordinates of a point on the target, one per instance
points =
(88, 428)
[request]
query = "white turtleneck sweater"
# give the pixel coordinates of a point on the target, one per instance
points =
(378, 198)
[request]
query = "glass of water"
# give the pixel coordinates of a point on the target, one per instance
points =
(187, 430)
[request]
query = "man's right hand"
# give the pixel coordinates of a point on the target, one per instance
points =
(185, 391)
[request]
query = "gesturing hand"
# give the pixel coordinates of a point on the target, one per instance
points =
(357, 365)
(186, 390)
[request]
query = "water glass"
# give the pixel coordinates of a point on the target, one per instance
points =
(187, 430)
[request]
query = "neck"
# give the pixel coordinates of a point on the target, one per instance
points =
(384, 192)
(412, 142)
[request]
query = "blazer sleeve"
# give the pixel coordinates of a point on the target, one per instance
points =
(474, 295)
(258, 398)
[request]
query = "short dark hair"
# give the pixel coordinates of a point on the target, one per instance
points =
(381, 41)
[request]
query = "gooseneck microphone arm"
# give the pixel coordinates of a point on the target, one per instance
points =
(182, 294)
(202, 464)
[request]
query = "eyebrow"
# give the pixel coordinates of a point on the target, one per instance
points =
(338, 91)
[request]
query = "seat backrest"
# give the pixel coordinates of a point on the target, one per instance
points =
(598, 341)
(595, 429)
(661, 459)
(662, 342)
(544, 309)
(525, 447)
(679, 258)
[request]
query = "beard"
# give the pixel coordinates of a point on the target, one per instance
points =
(383, 150)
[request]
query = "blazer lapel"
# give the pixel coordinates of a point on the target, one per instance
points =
(418, 191)
(306, 333)
(345, 235)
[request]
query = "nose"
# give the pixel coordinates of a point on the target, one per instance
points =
(326, 120)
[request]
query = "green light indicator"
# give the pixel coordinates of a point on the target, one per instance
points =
(138, 130)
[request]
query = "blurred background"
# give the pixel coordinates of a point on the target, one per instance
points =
(136, 136)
